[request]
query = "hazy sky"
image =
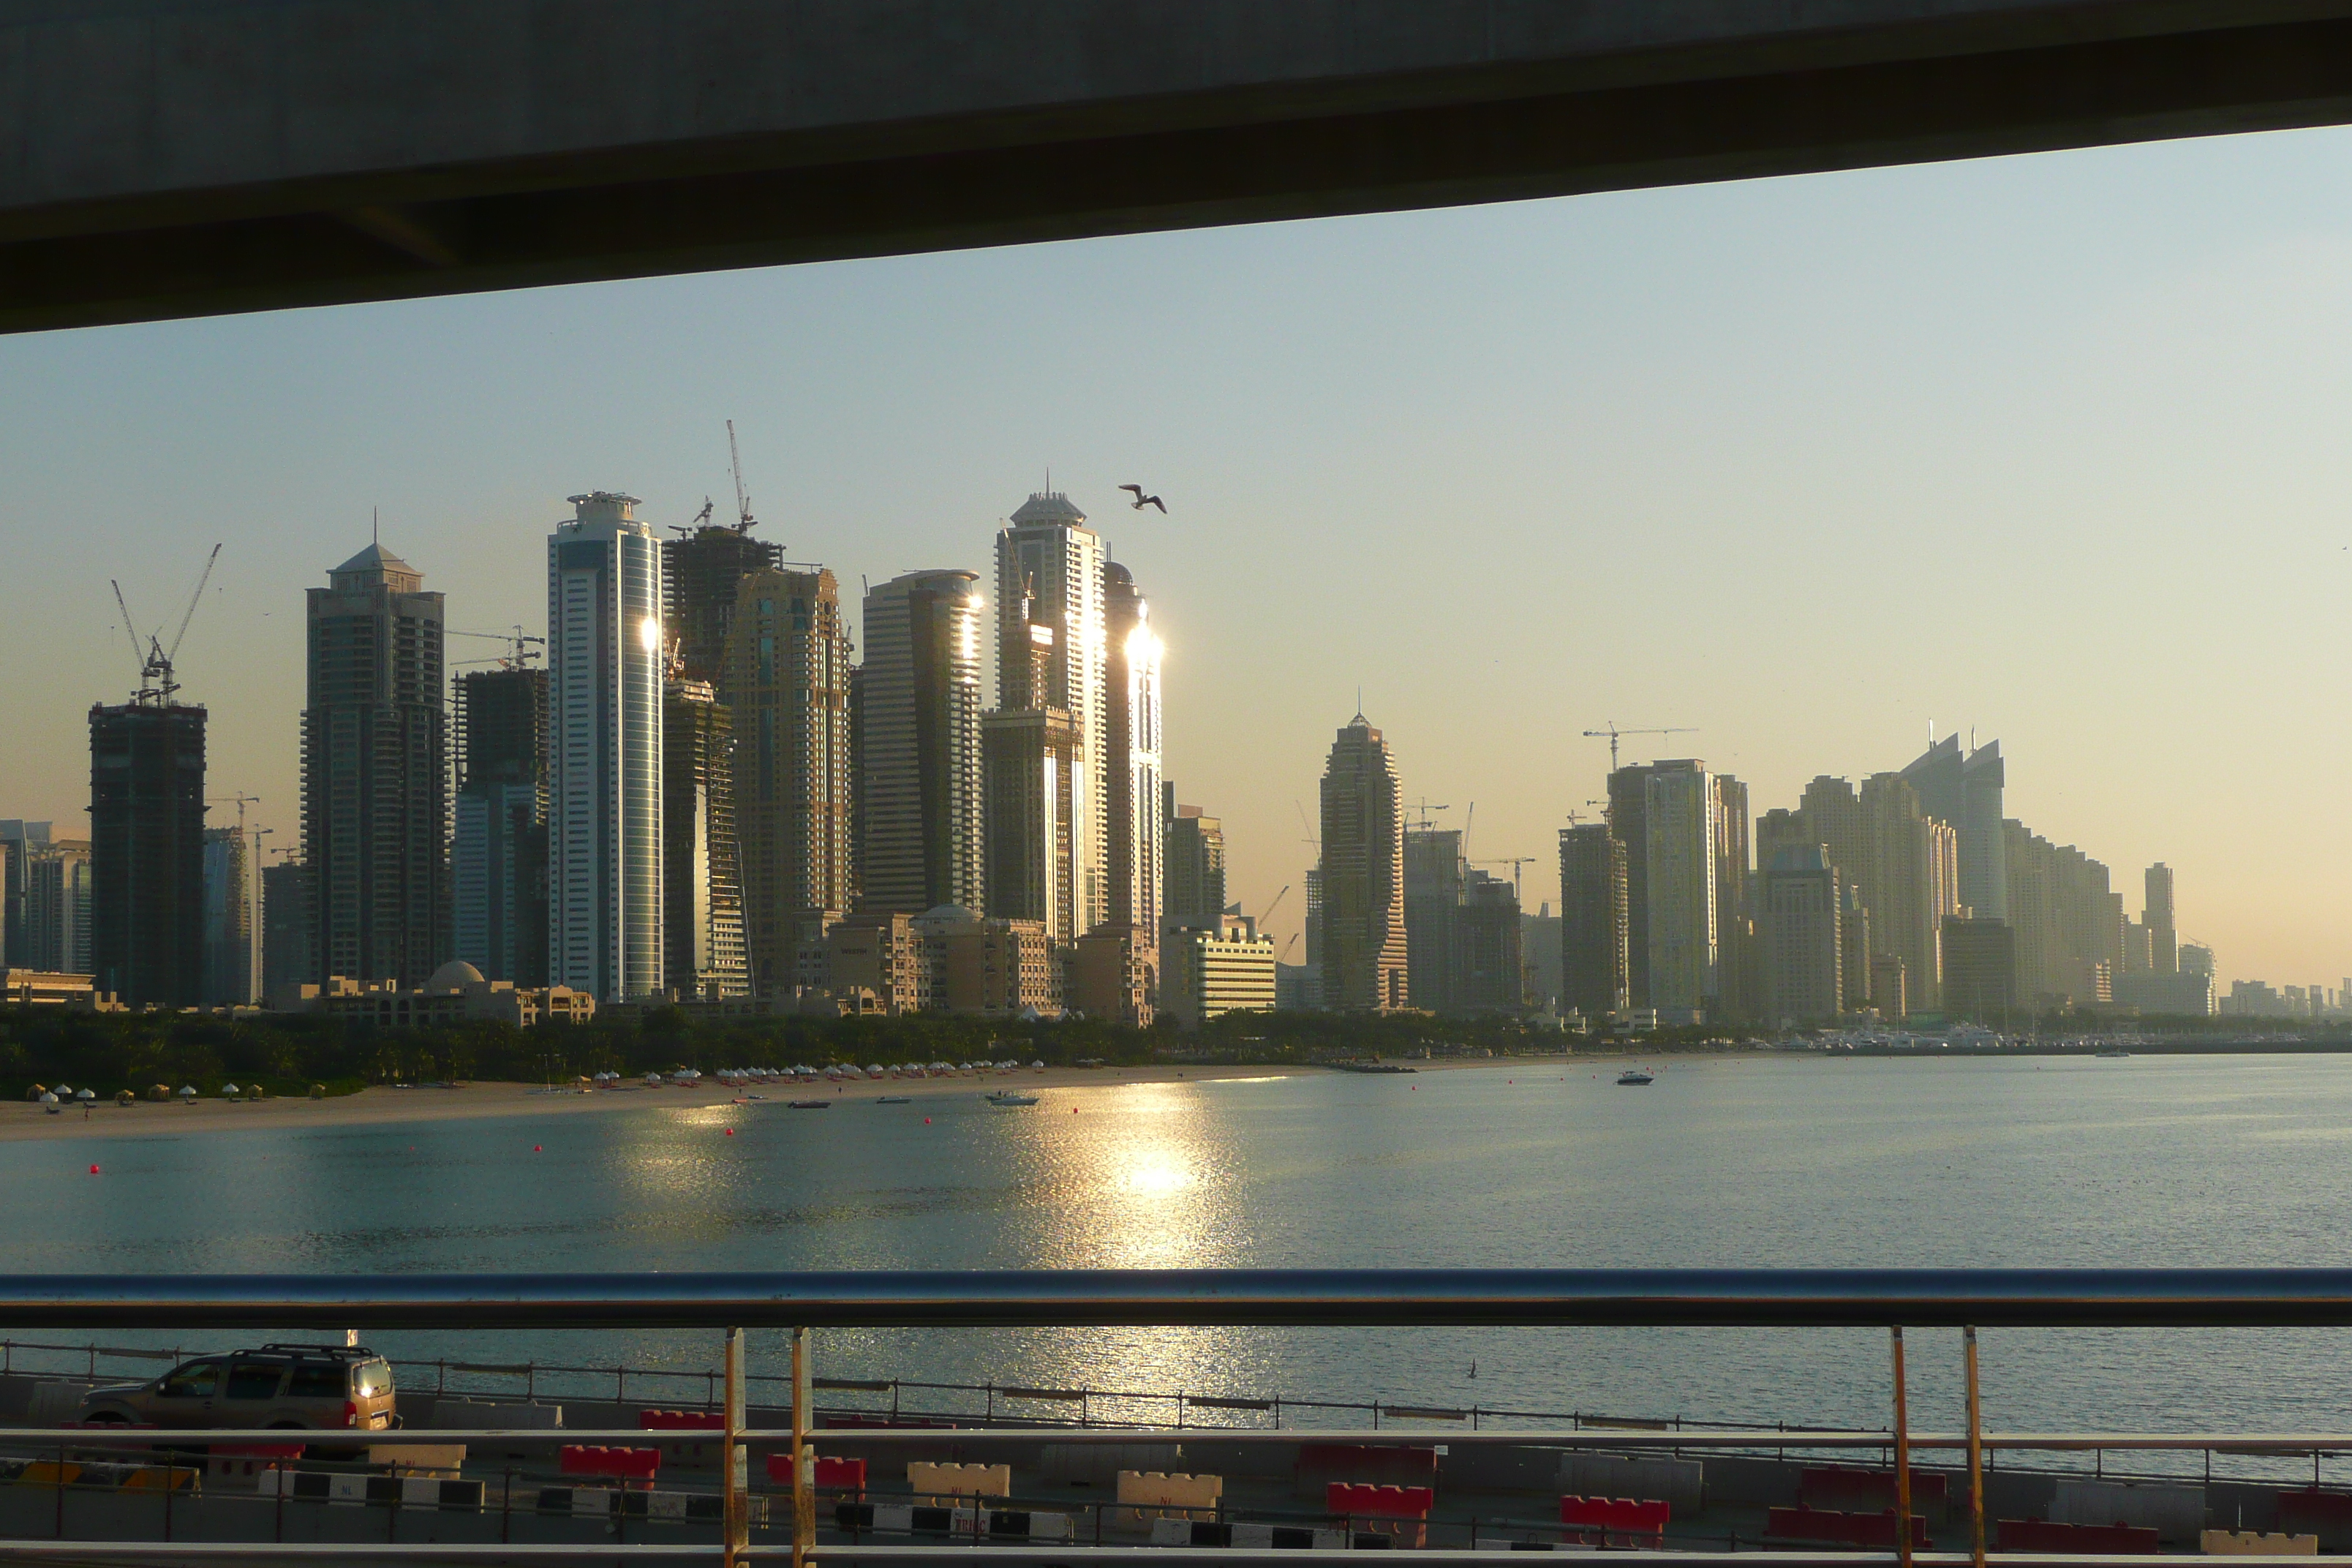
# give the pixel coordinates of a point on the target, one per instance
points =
(2052, 448)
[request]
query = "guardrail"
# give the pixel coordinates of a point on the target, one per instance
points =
(1889, 1299)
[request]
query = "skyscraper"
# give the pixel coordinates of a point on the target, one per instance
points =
(57, 907)
(18, 837)
(703, 953)
(286, 929)
(1487, 970)
(147, 849)
(498, 857)
(1798, 923)
(1194, 857)
(1680, 806)
(787, 691)
(920, 807)
(228, 919)
(376, 773)
(1035, 791)
(1738, 972)
(2163, 940)
(606, 668)
(1964, 790)
(1592, 921)
(702, 574)
(1628, 805)
(1435, 875)
(1363, 940)
(1131, 804)
(1049, 573)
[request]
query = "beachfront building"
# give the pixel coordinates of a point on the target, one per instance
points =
(1209, 972)
(919, 807)
(454, 993)
(605, 667)
(1362, 875)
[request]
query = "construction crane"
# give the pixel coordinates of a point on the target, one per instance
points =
(1613, 732)
(744, 521)
(1514, 862)
(701, 521)
(1272, 907)
(518, 641)
(155, 660)
(1576, 817)
(1422, 809)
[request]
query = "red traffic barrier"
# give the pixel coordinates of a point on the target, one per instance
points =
(2041, 1535)
(614, 1464)
(680, 1421)
(1848, 1490)
(1367, 1500)
(2327, 1515)
(1836, 1529)
(1622, 1515)
(832, 1475)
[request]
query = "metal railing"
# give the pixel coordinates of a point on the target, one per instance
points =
(1888, 1298)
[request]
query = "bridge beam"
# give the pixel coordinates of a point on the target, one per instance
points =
(189, 157)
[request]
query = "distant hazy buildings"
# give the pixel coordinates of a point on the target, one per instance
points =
(229, 978)
(1434, 874)
(1798, 925)
(1681, 830)
(1362, 882)
(375, 816)
(1979, 969)
(1629, 821)
(2068, 921)
(704, 958)
(605, 667)
(1592, 921)
(286, 928)
(921, 811)
(1487, 965)
(2163, 942)
(47, 891)
(498, 853)
(784, 688)
(1963, 790)
(146, 850)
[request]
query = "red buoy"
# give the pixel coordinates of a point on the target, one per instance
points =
(730, 1132)
(534, 1148)
(93, 1169)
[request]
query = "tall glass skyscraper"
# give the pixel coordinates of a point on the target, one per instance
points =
(1131, 803)
(1363, 946)
(606, 664)
(919, 808)
(1049, 573)
(498, 857)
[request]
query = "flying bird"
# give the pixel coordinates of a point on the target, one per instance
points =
(1142, 500)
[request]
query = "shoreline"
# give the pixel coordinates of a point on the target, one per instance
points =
(379, 1105)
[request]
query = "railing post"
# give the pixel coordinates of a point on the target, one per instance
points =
(803, 1461)
(734, 1456)
(1976, 1455)
(1902, 1458)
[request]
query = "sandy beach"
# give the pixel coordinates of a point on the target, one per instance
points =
(383, 1105)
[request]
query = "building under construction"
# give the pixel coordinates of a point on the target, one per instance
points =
(147, 850)
(703, 957)
(498, 869)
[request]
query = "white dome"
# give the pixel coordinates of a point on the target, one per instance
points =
(454, 975)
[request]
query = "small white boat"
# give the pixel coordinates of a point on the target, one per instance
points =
(1635, 1075)
(1007, 1098)
(895, 1100)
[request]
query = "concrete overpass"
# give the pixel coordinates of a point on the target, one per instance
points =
(164, 158)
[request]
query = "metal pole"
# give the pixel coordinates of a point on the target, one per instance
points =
(735, 1455)
(803, 1461)
(1902, 1460)
(1976, 1455)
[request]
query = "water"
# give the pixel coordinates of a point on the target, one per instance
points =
(1734, 1161)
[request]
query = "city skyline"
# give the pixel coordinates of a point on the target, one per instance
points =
(2062, 574)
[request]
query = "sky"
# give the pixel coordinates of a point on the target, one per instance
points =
(2050, 449)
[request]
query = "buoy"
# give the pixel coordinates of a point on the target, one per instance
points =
(927, 1122)
(534, 1148)
(730, 1132)
(93, 1169)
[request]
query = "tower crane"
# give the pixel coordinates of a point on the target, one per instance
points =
(1611, 729)
(744, 521)
(155, 660)
(1272, 907)
(517, 642)
(1422, 809)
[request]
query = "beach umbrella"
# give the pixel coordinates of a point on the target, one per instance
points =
(1039, 1066)
(229, 1091)
(65, 1092)
(187, 1091)
(87, 1094)
(49, 1098)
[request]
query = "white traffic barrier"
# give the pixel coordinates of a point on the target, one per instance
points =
(922, 1518)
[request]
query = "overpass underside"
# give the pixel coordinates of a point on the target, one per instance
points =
(189, 157)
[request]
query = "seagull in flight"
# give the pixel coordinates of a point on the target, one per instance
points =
(1142, 500)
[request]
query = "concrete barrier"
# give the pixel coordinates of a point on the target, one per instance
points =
(2175, 1513)
(2256, 1544)
(1156, 1494)
(931, 1482)
(1681, 1482)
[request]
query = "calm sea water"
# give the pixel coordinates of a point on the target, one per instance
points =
(1783, 1161)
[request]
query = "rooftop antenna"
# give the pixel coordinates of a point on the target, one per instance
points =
(376, 525)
